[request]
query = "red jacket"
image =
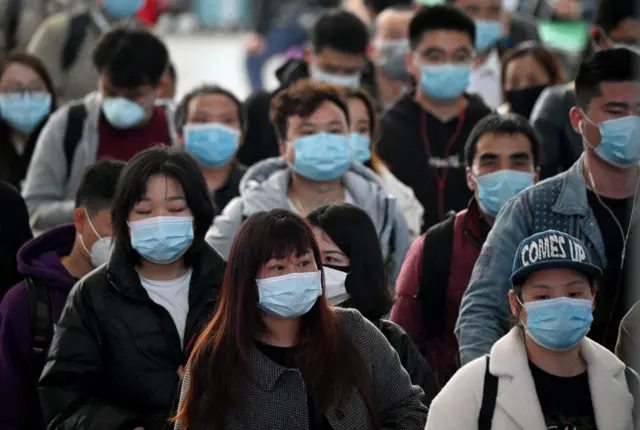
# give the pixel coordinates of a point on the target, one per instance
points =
(469, 233)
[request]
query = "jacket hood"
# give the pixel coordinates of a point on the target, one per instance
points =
(266, 183)
(40, 257)
(406, 108)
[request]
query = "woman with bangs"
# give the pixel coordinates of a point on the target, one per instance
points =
(276, 356)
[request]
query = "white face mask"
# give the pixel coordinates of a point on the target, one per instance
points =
(100, 250)
(335, 290)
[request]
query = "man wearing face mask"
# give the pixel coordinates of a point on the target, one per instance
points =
(117, 122)
(315, 168)
(336, 55)
(389, 53)
(65, 42)
(501, 156)
(51, 264)
(617, 24)
(595, 201)
(424, 132)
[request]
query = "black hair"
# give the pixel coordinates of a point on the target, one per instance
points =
(378, 6)
(501, 124)
(340, 30)
(98, 185)
(178, 165)
(302, 99)
(608, 65)
(13, 166)
(612, 13)
(171, 70)
(131, 57)
(438, 18)
(183, 107)
(352, 230)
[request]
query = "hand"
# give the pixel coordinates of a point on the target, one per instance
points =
(567, 9)
(181, 372)
(254, 44)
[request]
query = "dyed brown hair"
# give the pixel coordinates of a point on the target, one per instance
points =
(542, 55)
(220, 363)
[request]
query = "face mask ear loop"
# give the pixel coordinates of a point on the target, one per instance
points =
(91, 225)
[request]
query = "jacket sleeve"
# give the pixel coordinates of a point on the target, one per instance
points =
(628, 346)
(46, 181)
(47, 44)
(406, 312)
(220, 235)
(16, 359)
(70, 384)
(400, 237)
(399, 401)
(484, 310)
(548, 119)
(457, 406)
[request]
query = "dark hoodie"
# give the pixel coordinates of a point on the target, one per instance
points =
(414, 145)
(260, 140)
(40, 260)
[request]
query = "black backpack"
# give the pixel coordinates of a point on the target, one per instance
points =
(436, 261)
(41, 321)
(75, 125)
(490, 393)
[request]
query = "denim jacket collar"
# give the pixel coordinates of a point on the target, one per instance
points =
(573, 195)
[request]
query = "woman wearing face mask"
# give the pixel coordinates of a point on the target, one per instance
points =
(364, 132)
(276, 356)
(27, 98)
(127, 327)
(544, 373)
(355, 278)
(527, 69)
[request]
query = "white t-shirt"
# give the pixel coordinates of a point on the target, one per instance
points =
(486, 82)
(172, 295)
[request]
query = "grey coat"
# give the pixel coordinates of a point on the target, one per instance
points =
(265, 186)
(48, 190)
(275, 397)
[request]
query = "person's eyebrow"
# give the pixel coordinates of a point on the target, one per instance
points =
(174, 198)
(520, 156)
(542, 286)
(619, 105)
(577, 281)
(488, 156)
(334, 252)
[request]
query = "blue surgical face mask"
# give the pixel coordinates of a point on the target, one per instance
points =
(348, 81)
(322, 156)
(487, 34)
(495, 189)
(558, 324)
(213, 145)
(162, 240)
(619, 141)
(289, 296)
(122, 9)
(25, 111)
(444, 81)
(360, 147)
(122, 113)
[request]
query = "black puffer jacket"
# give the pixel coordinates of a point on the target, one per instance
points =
(115, 354)
(411, 359)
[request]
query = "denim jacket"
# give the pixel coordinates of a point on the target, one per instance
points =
(558, 203)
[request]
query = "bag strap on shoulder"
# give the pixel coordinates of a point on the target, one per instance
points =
(489, 395)
(436, 261)
(78, 27)
(75, 125)
(40, 317)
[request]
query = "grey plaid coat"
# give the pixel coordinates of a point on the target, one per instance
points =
(276, 399)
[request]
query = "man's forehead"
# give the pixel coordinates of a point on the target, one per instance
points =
(396, 19)
(628, 30)
(503, 144)
(624, 92)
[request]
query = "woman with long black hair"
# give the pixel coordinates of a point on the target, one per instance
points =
(276, 356)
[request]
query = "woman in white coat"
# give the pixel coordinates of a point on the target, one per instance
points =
(544, 374)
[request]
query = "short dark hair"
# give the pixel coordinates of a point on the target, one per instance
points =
(612, 13)
(98, 185)
(608, 65)
(302, 99)
(178, 165)
(378, 6)
(542, 55)
(438, 18)
(501, 124)
(183, 107)
(340, 30)
(131, 57)
(352, 230)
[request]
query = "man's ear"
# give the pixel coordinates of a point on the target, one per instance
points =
(79, 217)
(536, 175)
(577, 119)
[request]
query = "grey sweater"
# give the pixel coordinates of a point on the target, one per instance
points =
(49, 190)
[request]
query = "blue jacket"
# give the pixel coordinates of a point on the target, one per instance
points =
(558, 203)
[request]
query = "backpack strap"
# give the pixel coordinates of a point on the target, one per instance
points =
(78, 27)
(12, 26)
(633, 382)
(489, 395)
(436, 261)
(41, 321)
(75, 125)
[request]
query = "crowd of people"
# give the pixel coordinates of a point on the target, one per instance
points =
(430, 224)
